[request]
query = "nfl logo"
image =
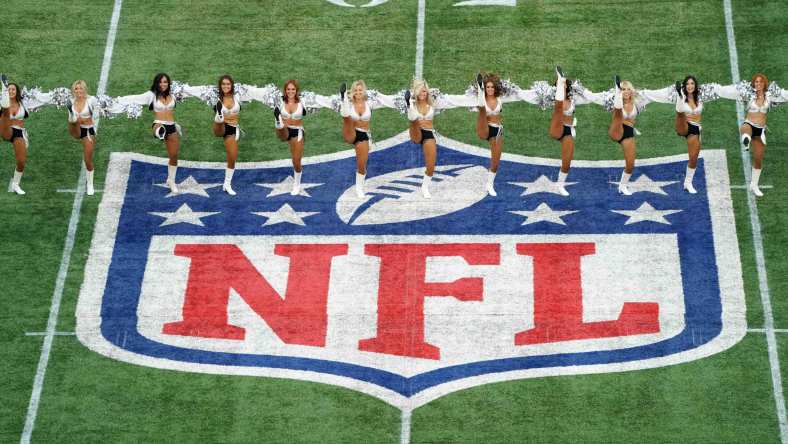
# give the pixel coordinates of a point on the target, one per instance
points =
(404, 298)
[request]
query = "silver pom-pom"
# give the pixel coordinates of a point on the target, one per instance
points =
(773, 93)
(399, 102)
(508, 87)
(272, 96)
(210, 95)
(577, 88)
(608, 97)
(746, 91)
(309, 101)
(61, 96)
(545, 94)
(708, 92)
(105, 105)
(176, 89)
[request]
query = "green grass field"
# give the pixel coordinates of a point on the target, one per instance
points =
(89, 398)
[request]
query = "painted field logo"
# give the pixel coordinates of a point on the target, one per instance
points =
(409, 299)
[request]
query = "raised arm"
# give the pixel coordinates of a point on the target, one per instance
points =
(446, 101)
(376, 99)
(269, 95)
(662, 95)
(584, 96)
(34, 98)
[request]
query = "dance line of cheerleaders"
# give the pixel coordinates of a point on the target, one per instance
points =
(420, 103)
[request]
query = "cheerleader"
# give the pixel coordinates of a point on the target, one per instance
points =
(420, 110)
(757, 99)
(225, 125)
(289, 124)
(689, 108)
(161, 100)
(422, 104)
(488, 124)
(12, 128)
(356, 111)
(627, 105)
(83, 113)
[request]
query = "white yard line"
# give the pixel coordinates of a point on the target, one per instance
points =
(747, 187)
(57, 296)
(44, 333)
(757, 240)
(74, 190)
(406, 413)
(420, 40)
(762, 330)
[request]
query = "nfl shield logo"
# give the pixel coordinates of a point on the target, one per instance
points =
(405, 298)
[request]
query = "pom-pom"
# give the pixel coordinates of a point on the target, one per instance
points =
(545, 94)
(708, 92)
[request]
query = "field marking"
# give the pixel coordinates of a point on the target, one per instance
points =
(763, 330)
(420, 39)
(405, 429)
(757, 240)
(747, 187)
(65, 261)
(44, 333)
(72, 190)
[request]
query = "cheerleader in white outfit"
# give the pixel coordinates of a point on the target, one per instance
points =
(562, 126)
(289, 124)
(83, 112)
(627, 103)
(758, 97)
(489, 125)
(12, 128)
(160, 99)
(225, 125)
(14, 109)
(356, 108)
(689, 108)
(422, 104)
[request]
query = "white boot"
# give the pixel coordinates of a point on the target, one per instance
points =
(688, 181)
(756, 177)
(296, 184)
(5, 101)
(425, 186)
(480, 94)
(622, 184)
(560, 89)
(561, 181)
(13, 187)
(618, 99)
(172, 171)
(89, 190)
(491, 184)
(228, 178)
(344, 108)
(360, 185)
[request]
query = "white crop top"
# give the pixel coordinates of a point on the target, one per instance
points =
(630, 115)
(158, 106)
(496, 110)
(21, 113)
(428, 116)
(365, 116)
(297, 115)
(89, 110)
(686, 109)
(753, 107)
(235, 109)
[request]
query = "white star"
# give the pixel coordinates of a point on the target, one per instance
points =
(285, 214)
(540, 185)
(190, 186)
(644, 184)
(543, 213)
(285, 186)
(184, 214)
(646, 213)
